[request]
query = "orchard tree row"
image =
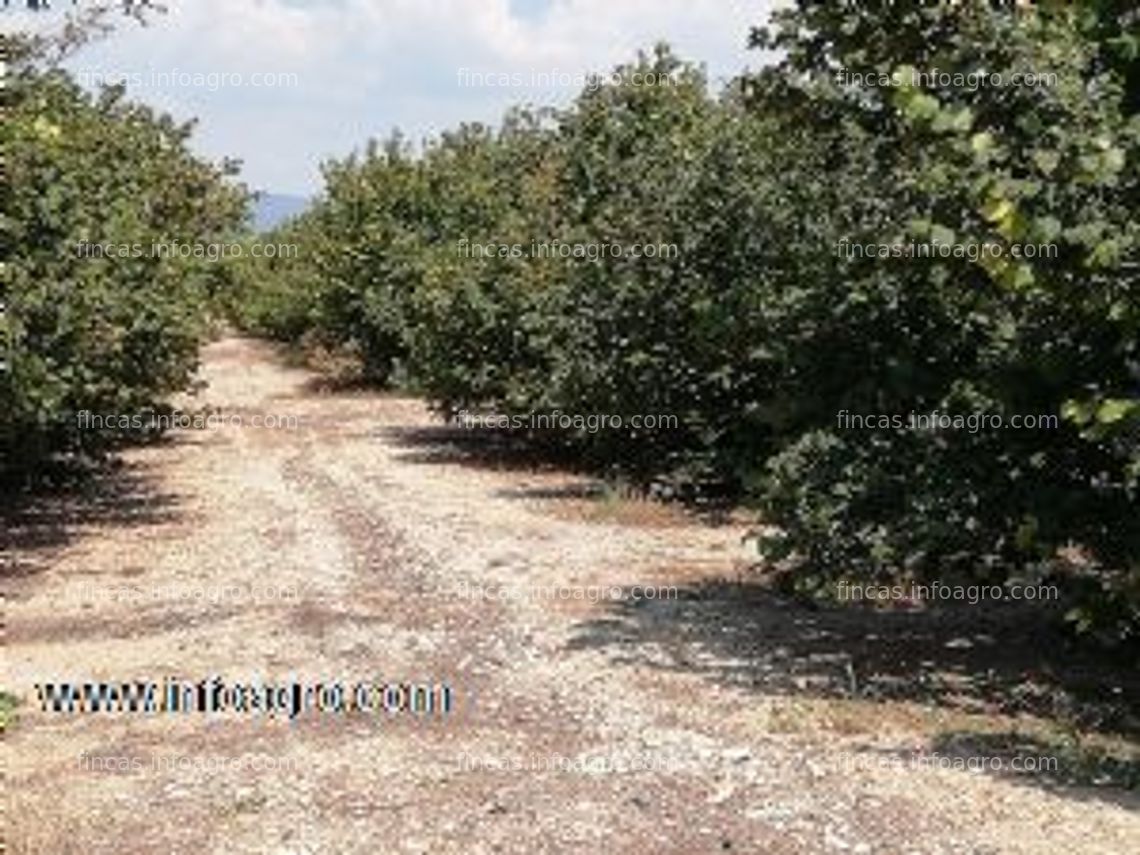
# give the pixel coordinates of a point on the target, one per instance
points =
(761, 330)
(81, 331)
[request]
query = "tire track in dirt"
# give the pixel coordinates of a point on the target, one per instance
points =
(377, 532)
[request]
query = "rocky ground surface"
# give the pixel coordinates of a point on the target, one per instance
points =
(352, 547)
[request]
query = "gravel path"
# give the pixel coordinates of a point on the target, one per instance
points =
(372, 529)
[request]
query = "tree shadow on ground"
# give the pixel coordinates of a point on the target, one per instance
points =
(498, 450)
(588, 491)
(1048, 762)
(335, 384)
(992, 660)
(36, 523)
(485, 448)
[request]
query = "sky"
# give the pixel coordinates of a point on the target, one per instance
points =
(332, 74)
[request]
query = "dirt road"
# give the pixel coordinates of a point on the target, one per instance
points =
(349, 548)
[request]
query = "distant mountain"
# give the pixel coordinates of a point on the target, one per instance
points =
(272, 209)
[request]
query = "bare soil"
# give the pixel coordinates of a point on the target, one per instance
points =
(763, 719)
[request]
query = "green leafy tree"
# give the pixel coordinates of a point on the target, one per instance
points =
(112, 332)
(998, 165)
(760, 330)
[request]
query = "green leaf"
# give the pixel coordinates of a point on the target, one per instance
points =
(1046, 161)
(1047, 229)
(982, 143)
(996, 210)
(962, 120)
(943, 235)
(1113, 410)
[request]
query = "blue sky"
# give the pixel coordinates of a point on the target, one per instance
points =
(355, 69)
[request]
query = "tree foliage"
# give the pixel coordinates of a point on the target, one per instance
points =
(110, 334)
(761, 331)
(998, 165)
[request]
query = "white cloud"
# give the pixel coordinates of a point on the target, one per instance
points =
(364, 67)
